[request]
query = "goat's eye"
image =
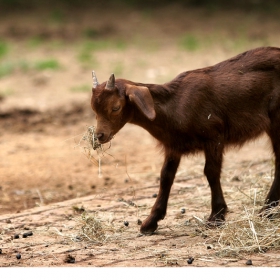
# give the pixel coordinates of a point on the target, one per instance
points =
(117, 108)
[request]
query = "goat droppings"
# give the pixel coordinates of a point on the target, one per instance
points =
(18, 256)
(126, 223)
(26, 234)
(249, 262)
(69, 259)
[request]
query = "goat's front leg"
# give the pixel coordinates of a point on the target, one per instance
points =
(158, 211)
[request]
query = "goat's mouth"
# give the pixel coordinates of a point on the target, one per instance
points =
(106, 140)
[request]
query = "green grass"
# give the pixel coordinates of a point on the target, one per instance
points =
(189, 42)
(95, 45)
(87, 59)
(87, 54)
(6, 69)
(51, 64)
(23, 66)
(35, 41)
(3, 48)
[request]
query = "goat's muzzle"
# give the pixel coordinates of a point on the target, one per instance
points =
(102, 138)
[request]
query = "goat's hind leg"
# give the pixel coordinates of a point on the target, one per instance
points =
(212, 170)
(273, 196)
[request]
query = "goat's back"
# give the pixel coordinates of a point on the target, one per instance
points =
(236, 99)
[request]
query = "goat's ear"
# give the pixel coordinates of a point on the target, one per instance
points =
(142, 97)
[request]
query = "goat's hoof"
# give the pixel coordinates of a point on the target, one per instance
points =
(267, 212)
(264, 212)
(148, 228)
(215, 223)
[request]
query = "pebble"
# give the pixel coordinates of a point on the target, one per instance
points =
(183, 211)
(18, 256)
(190, 260)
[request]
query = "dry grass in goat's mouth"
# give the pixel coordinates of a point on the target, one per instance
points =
(91, 147)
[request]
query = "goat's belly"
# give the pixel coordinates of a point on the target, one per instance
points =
(247, 128)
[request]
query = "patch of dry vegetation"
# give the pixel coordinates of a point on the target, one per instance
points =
(92, 228)
(248, 230)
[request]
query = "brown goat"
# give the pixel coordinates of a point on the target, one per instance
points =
(200, 110)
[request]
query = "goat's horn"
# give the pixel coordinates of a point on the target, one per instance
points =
(111, 82)
(94, 80)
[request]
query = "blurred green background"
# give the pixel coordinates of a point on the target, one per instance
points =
(54, 45)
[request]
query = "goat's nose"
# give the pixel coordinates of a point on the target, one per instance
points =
(99, 136)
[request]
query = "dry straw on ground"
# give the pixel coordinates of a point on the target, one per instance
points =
(92, 229)
(96, 229)
(246, 231)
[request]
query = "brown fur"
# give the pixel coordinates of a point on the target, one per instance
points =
(201, 110)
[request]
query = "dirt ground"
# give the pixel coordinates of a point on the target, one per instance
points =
(47, 184)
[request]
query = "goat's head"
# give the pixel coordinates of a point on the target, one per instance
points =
(113, 102)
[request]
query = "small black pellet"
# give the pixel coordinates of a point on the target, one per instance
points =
(249, 262)
(70, 259)
(190, 260)
(126, 223)
(28, 233)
